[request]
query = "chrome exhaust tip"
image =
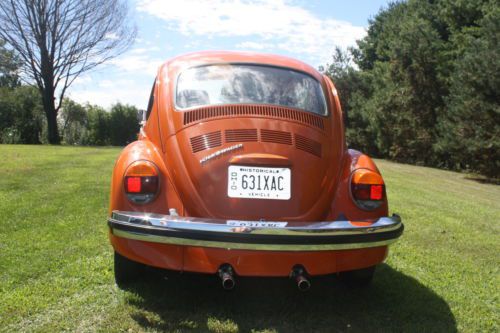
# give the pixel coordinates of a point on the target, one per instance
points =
(300, 275)
(303, 283)
(227, 277)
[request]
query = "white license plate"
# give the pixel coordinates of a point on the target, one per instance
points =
(252, 182)
(256, 224)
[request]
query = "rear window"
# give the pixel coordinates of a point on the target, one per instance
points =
(249, 84)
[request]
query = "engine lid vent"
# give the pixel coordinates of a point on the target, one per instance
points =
(284, 138)
(272, 111)
(241, 135)
(206, 141)
(308, 145)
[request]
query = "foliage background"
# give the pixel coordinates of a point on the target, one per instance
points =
(423, 86)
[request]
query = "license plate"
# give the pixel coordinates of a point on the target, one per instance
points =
(256, 224)
(258, 183)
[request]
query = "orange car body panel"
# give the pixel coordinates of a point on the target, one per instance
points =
(246, 263)
(320, 187)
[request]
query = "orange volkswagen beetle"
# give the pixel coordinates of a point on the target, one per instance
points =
(241, 169)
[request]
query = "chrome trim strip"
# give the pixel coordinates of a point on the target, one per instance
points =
(247, 246)
(312, 236)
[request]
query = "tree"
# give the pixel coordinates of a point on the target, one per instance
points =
(9, 67)
(97, 126)
(21, 115)
(400, 58)
(351, 85)
(123, 124)
(425, 86)
(342, 74)
(58, 40)
(470, 130)
(73, 119)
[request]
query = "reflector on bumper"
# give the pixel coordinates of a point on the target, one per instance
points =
(255, 235)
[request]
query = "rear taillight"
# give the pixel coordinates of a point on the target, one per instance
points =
(141, 182)
(367, 189)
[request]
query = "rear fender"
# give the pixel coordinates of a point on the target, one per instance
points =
(167, 196)
(343, 206)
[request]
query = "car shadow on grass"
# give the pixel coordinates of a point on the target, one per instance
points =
(190, 302)
(484, 180)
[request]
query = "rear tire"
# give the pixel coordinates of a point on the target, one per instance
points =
(358, 278)
(126, 270)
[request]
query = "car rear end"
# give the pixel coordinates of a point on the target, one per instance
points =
(250, 175)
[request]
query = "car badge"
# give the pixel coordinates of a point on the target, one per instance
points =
(221, 152)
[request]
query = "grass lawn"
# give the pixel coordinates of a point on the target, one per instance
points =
(56, 262)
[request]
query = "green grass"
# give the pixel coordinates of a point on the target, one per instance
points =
(56, 262)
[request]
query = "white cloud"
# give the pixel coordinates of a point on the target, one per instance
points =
(144, 50)
(111, 36)
(111, 91)
(288, 26)
(137, 63)
(139, 50)
(254, 46)
(82, 79)
(105, 83)
(117, 85)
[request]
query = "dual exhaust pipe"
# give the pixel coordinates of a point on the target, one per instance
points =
(298, 273)
(227, 277)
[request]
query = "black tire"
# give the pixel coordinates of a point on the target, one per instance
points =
(126, 270)
(358, 278)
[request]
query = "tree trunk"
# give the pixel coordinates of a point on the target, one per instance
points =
(51, 114)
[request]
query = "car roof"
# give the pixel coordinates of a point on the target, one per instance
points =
(220, 57)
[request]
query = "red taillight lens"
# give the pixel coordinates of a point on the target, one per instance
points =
(141, 182)
(133, 184)
(367, 189)
(376, 192)
(148, 184)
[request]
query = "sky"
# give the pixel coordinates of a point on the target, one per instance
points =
(305, 30)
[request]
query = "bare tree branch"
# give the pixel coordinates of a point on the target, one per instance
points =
(58, 40)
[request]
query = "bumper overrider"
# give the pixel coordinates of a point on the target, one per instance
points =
(255, 235)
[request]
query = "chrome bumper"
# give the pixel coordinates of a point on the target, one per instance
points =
(215, 233)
